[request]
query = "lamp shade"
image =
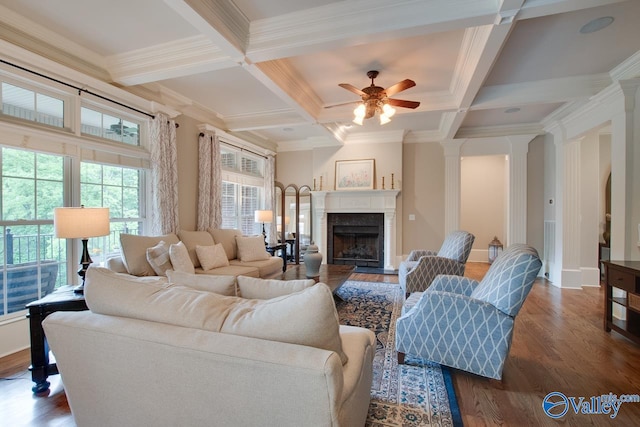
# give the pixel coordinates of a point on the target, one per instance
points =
(263, 216)
(80, 223)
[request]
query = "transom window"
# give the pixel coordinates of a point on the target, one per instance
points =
(30, 105)
(103, 125)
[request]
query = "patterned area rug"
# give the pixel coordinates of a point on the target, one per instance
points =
(419, 393)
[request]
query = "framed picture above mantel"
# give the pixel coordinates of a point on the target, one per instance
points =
(355, 175)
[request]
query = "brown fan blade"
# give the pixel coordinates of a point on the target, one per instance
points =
(344, 103)
(403, 103)
(352, 88)
(399, 87)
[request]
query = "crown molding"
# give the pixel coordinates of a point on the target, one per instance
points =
(378, 137)
(308, 144)
(501, 131)
(628, 69)
(263, 120)
(177, 58)
(424, 136)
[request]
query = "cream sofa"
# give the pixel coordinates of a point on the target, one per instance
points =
(151, 353)
(134, 259)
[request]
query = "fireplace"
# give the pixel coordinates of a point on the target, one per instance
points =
(358, 202)
(355, 239)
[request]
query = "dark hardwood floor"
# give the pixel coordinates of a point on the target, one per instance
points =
(559, 345)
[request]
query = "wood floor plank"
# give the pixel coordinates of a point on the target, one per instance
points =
(559, 344)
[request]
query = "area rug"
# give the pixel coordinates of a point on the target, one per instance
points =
(418, 393)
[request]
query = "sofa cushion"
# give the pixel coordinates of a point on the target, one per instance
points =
(265, 268)
(158, 258)
(115, 263)
(251, 248)
(228, 239)
(252, 288)
(180, 259)
(134, 251)
(191, 239)
(212, 256)
(223, 285)
(308, 317)
(231, 270)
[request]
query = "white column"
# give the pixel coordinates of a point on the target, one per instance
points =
(451, 185)
(517, 195)
(389, 240)
(319, 236)
(571, 275)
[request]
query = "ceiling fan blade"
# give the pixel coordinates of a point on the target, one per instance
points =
(403, 103)
(352, 88)
(344, 103)
(399, 87)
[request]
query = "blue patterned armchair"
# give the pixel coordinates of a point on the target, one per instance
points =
(422, 266)
(465, 324)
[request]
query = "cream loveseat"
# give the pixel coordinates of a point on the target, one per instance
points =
(151, 353)
(215, 251)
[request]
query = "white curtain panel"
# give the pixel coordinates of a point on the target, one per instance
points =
(209, 181)
(164, 176)
(270, 196)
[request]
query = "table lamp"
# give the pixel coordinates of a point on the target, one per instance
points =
(263, 216)
(81, 223)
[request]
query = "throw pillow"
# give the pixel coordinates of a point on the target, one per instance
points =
(193, 238)
(226, 236)
(158, 258)
(134, 251)
(180, 259)
(251, 248)
(254, 288)
(219, 284)
(211, 257)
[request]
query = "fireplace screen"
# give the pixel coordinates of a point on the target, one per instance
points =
(356, 239)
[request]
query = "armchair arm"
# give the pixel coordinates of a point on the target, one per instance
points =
(427, 268)
(454, 284)
(458, 331)
(415, 254)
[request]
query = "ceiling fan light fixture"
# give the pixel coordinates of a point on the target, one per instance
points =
(388, 110)
(360, 110)
(384, 119)
(358, 120)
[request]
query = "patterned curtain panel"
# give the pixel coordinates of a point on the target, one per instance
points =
(164, 176)
(209, 181)
(270, 196)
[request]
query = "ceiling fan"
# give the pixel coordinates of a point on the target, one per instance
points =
(376, 99)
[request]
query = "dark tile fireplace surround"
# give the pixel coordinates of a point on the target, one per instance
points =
(355, 239)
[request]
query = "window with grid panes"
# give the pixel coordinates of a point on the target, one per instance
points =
(30, 105)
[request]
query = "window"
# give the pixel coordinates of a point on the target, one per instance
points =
(33, 106)
(119, 189)
(107, 126)
(242, 189)
(33, 260)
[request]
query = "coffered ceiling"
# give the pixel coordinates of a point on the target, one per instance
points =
(266, 70)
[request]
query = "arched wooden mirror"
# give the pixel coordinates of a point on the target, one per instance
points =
(290, 213)
(278, 208)
(304, 220)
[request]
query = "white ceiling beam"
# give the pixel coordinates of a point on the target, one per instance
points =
(264, 120)
(177, 58)
(538, 8)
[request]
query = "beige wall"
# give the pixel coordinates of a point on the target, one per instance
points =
(536, 194)
(187, 140)
(295, 167)
(422, 196)
(483, 196)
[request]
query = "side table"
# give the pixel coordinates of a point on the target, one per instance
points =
(282, 247)
(63, 299)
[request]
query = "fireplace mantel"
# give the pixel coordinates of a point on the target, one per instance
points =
(357, 201)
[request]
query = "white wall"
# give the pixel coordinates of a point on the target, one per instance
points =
(483, 201)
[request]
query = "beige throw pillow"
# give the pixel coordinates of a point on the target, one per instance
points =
(251, 248)
(134, 251)
(226, 236)
(158, 258)
(191, 239)
(180, 259)
(211, 257)
(220, 284)
(254, 288)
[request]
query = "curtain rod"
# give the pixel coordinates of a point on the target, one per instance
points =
(242, 148)
(79, 89)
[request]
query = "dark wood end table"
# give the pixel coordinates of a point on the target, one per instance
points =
(63, 299)
(282, 247)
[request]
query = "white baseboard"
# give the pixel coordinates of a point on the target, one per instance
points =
(479, 255)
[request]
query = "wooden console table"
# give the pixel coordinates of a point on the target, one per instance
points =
(623, 276)
(63, 299)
